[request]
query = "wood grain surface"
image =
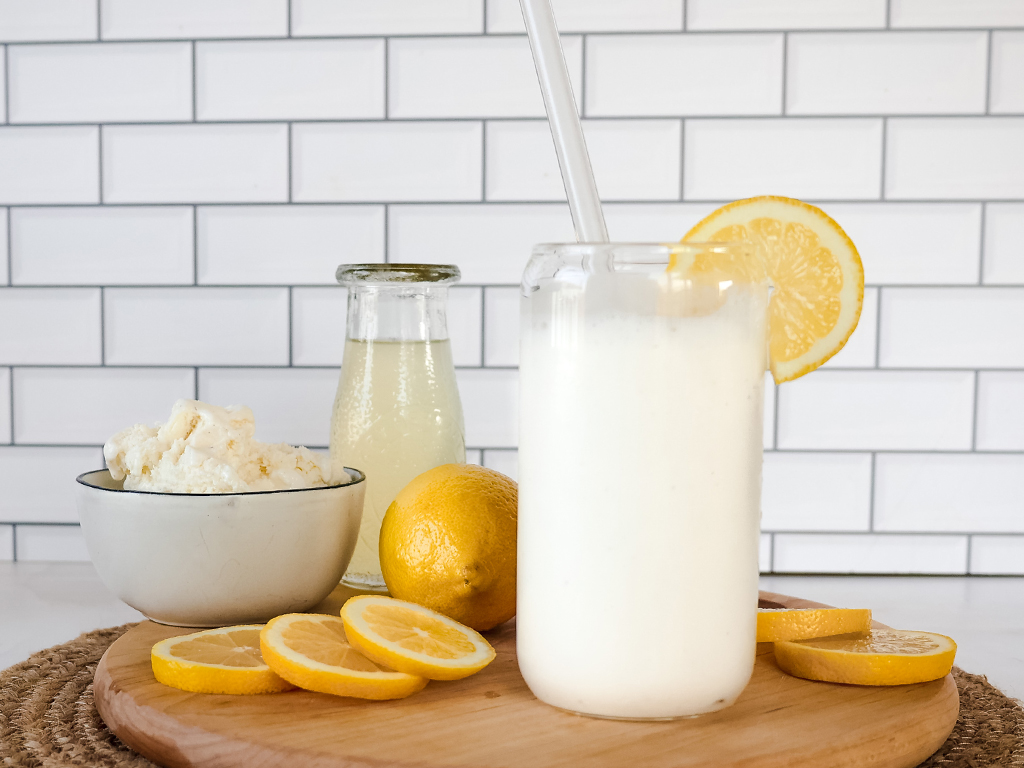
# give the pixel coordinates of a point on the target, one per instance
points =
(492, 719)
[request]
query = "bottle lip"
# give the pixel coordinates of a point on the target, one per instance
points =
(348, 274)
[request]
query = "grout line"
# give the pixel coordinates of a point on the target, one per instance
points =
(195, 382)
(685, 4)
(970, 552)
(99, 20)
(988, 75)
(10, 254)
(871, 500)
(387, 240)
(785, 72)
(483, 161)
(484, 17)
(974, 413)
(14, 542)
(682, 157)
(387, 78)
(99, 158)
(888, 14)
(290, 140)
(878, 328)
(291, 326)
(10, 404)
(103, 329)
(881, 175)
(289, 12)
(981, 246)
(7, 86)
(195, 245)
(483, 326)
(771, 553)
(583, 76)
(195, 89)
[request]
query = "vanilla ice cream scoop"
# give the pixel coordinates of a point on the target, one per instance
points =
(209, 449)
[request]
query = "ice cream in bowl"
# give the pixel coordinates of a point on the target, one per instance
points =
(196, 523)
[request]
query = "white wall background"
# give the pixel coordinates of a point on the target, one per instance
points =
(178, 181)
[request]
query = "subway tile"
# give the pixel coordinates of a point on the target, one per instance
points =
(318, 325)
(469, 77)
(490, 243)
(196, 326)
(633, 160)
(386, 17)
(956, 13)
(504, 461)
(869, 553)
(784, 14)
(997, 555)
(291, 405)
(859, 351)
(501, 326)
(106, 82)
(907, 243)
(764, 553)
(50, 326)
(193, 18)
(87, 406)
(1000, 417)
(768, 430)
(290, 79)
(39, 482)
(883, 410)
(6, 543)
(282, 244)
(954, 492)
(952, 327)
(106, 245)
(1004, 243)
(1007, 72)
(464, 319)
(658, 75)
(982, 157)
(474, 456)
(653, 222)
(795, 485)
(592, 16)
(51, 543)
(490, 404)
(387, 161)
(5, 405)
(47, 20)
(195, 163)
(801, 157)
(848, 73)
(49, 164)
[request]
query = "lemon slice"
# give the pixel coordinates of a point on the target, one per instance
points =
(414, 639)
(225, 660)
(814, 268)
(877, 657)
(311, 651)
(775, 624)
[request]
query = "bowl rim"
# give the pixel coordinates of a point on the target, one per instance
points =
(82, 479)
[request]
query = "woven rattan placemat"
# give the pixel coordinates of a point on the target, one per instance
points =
(47, 717)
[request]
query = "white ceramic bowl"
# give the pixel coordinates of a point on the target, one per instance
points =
(210, 560)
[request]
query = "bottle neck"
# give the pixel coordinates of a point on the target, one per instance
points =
(397, 312)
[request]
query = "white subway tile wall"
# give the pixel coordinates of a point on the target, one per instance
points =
(180, 180)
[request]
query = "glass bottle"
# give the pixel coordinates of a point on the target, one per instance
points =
(640, 441)
(397, 412)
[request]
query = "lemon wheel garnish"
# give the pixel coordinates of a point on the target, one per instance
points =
(877, 657)
(414, 639)
(814, 269)
(225, 660)
(311, 651)
(775, 624)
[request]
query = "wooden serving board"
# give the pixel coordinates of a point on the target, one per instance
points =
(492, 719)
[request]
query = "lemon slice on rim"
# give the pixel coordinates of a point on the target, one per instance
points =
(877, 657)
(225, 660)
(814, 268)
(414, 639)
(775, 624)
(311, 651)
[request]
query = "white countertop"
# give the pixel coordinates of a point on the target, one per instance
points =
(42, 604)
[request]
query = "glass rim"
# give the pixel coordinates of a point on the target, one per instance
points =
(390, 274)
(355, 477)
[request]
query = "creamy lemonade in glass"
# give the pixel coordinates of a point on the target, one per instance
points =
(640, 457)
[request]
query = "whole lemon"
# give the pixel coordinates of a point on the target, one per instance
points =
(448, 542)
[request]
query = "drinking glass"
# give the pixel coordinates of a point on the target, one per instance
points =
(641, 397)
